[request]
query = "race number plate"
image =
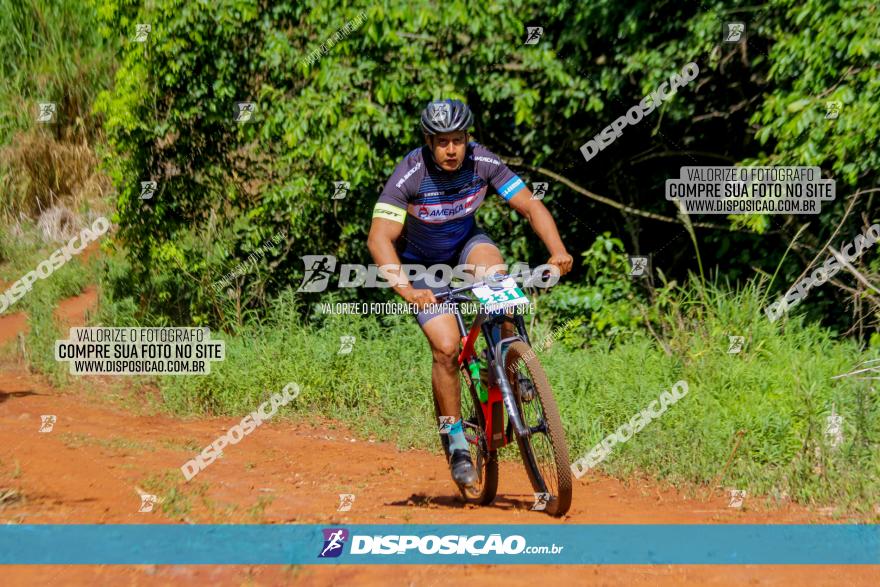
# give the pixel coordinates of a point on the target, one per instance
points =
(504, 294)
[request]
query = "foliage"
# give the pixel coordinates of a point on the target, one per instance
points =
(351, 115)
(608, 303)
(51, 52)
(167, 108)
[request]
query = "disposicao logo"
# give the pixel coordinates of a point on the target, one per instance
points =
(334, 541)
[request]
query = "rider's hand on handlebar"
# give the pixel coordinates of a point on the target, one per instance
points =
(420, 297)
(562, 261)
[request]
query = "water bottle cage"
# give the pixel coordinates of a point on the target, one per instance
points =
(485, 376)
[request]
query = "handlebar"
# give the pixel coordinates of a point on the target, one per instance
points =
(489, 280)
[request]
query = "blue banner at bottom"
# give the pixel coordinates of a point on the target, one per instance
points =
(530, 544)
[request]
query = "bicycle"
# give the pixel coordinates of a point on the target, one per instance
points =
(532, 414)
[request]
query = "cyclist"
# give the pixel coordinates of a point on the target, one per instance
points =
(425, 216)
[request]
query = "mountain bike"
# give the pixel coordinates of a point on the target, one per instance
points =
(510, 399)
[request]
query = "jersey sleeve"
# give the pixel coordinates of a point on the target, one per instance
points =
(496, 173)
(401, 186)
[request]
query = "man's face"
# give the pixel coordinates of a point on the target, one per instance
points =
(448, 149)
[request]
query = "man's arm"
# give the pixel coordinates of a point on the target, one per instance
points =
(380, 242)
(544, 226)
(514, 191)
(389, 218)
(383, 234)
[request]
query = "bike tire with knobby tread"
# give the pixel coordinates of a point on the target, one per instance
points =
(519, 350)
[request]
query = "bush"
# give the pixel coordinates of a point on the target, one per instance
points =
(608, 302)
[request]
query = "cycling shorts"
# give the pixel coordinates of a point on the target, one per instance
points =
(476, 237)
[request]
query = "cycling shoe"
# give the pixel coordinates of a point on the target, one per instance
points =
(462, 467)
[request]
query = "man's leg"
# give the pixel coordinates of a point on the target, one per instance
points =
(483, 257)
(443, 336)
(487, 260)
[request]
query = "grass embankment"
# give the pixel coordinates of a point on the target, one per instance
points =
(21, 250)
(778, 391)
(52, 52)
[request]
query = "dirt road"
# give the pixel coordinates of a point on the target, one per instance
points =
(111, 442)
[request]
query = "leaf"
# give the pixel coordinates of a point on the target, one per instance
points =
(798, 105)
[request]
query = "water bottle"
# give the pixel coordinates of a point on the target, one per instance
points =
(480, 377)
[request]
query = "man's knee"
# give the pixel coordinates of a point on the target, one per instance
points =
(445, 350)
(487, 260)
(444, 343)
(443, 336)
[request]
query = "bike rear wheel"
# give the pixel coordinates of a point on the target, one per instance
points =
(483, 491)
(544, 452)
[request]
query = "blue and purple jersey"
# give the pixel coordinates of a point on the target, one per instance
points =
(436, 207)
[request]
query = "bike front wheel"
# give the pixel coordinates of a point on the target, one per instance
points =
(544, 452)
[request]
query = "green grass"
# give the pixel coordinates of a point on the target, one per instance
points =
(257, 512)
(188, 445)
(74, 440)
(264, 358)
(52, 52)
(21, 252)
(44, 328)
(189, 501)
(177, 497)
(778, 390)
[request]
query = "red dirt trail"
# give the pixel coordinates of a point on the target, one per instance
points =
(110, 441)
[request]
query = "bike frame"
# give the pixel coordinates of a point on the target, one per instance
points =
(500, 393)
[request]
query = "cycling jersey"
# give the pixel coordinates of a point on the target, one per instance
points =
(435, 206)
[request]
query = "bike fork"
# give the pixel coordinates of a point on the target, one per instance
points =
(507, 391)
